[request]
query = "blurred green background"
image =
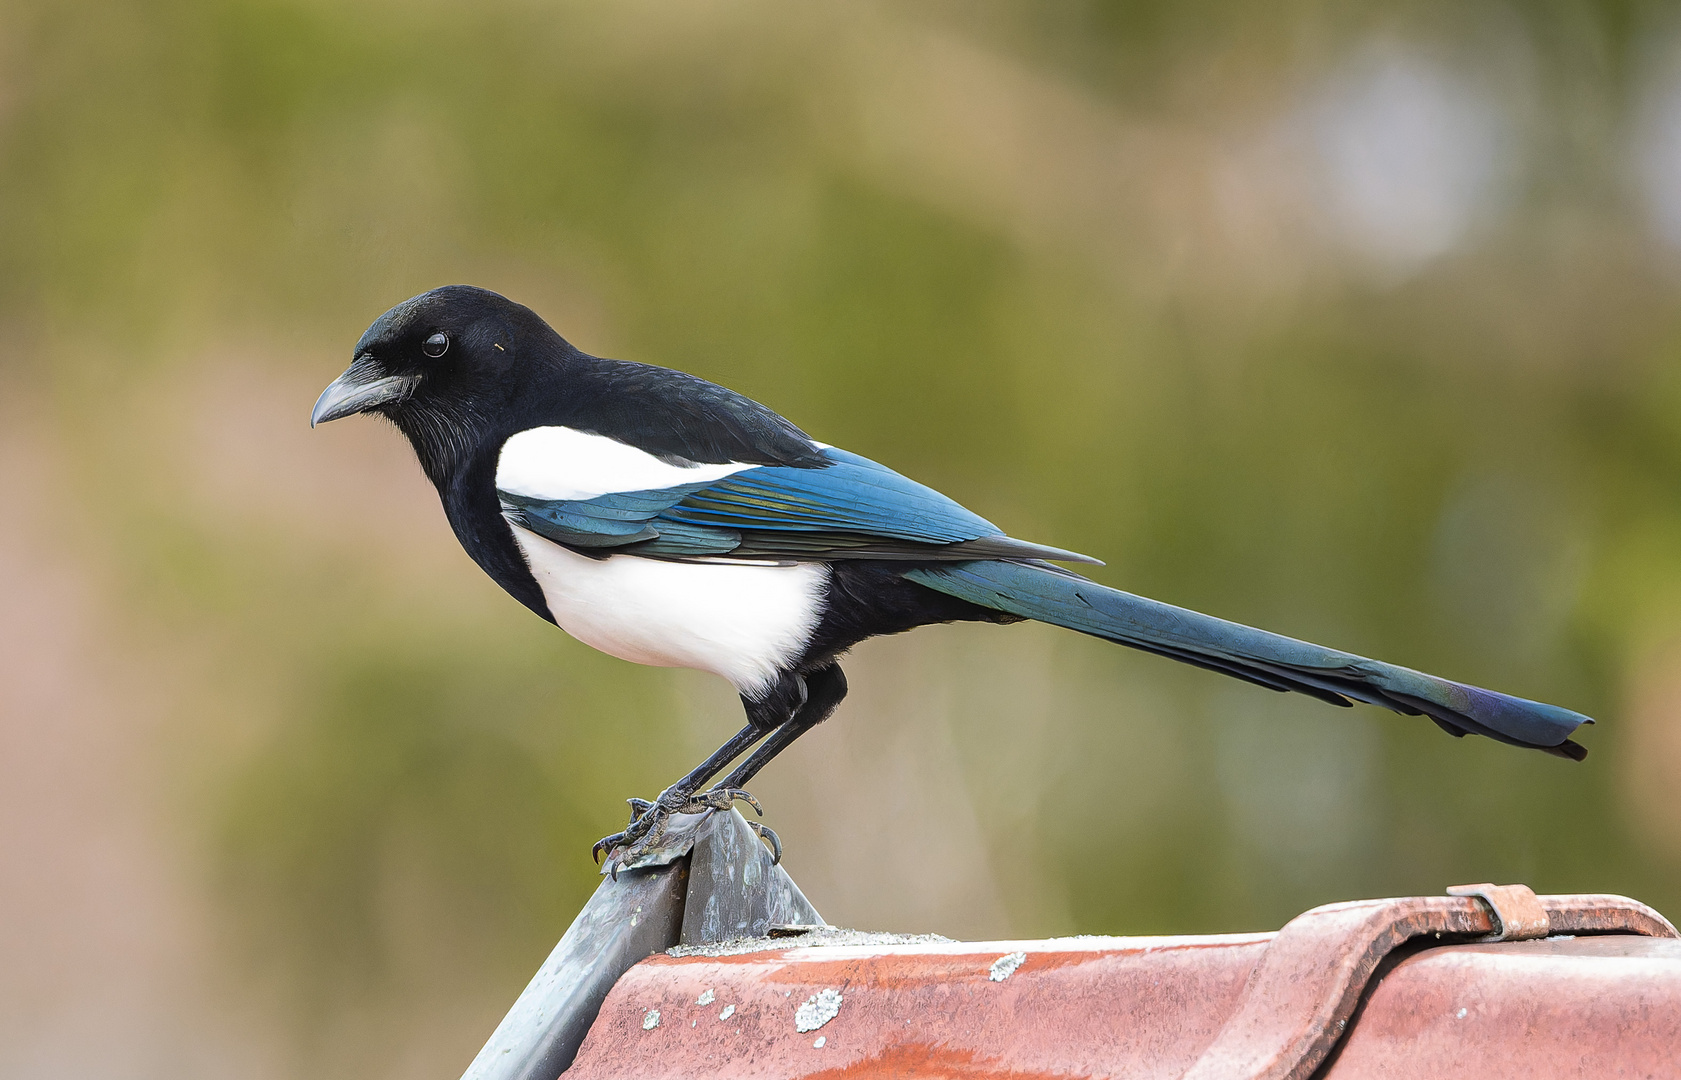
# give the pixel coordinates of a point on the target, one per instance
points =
(1357, 321)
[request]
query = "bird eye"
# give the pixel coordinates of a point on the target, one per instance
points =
(436, 345)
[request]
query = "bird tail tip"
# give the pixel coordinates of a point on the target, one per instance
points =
(1569, 748)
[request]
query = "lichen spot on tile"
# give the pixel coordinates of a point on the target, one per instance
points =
(819, 1009)
(651, 1021)
(729, 1011)
(1005, 966)
(821, 1039)
(707, 997)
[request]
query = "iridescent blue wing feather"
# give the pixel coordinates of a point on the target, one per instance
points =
(853, 508)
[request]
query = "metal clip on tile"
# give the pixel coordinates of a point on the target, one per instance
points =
(1515, 909)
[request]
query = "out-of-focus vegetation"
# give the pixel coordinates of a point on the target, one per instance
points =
(1355, 321)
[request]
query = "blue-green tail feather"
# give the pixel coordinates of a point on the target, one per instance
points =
(1050, 594)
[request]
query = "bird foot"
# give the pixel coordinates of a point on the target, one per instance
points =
(648, 821)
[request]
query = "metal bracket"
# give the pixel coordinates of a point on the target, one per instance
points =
(1515, 909)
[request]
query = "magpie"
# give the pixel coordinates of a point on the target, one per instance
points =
(666, 520)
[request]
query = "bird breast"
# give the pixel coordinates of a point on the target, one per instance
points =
(746, 623)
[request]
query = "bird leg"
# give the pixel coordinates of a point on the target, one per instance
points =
(796, 705)
(825, 690)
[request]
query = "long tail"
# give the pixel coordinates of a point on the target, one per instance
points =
(1051, 594)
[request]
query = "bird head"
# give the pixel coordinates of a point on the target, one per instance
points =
(449, 368)
(442, 352)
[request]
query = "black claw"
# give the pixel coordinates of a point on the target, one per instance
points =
(768, 834)
(606, 843)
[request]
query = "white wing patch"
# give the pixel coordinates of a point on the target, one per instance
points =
(564, 463)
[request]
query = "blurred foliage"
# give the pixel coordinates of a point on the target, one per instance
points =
(1467, 464)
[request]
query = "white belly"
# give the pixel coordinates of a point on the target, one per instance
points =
(743, 622)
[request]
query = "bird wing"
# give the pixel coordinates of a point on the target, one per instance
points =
(850, 508)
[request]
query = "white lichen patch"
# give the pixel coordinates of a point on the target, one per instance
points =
(651, 1021)
(729, 1011)
(706, 997)
(821, 1039)
(819, 1009)
(1005, 966)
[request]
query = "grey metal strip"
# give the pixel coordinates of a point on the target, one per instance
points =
(735, 891)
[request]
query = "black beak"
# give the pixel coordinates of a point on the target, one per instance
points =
(363, 386)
